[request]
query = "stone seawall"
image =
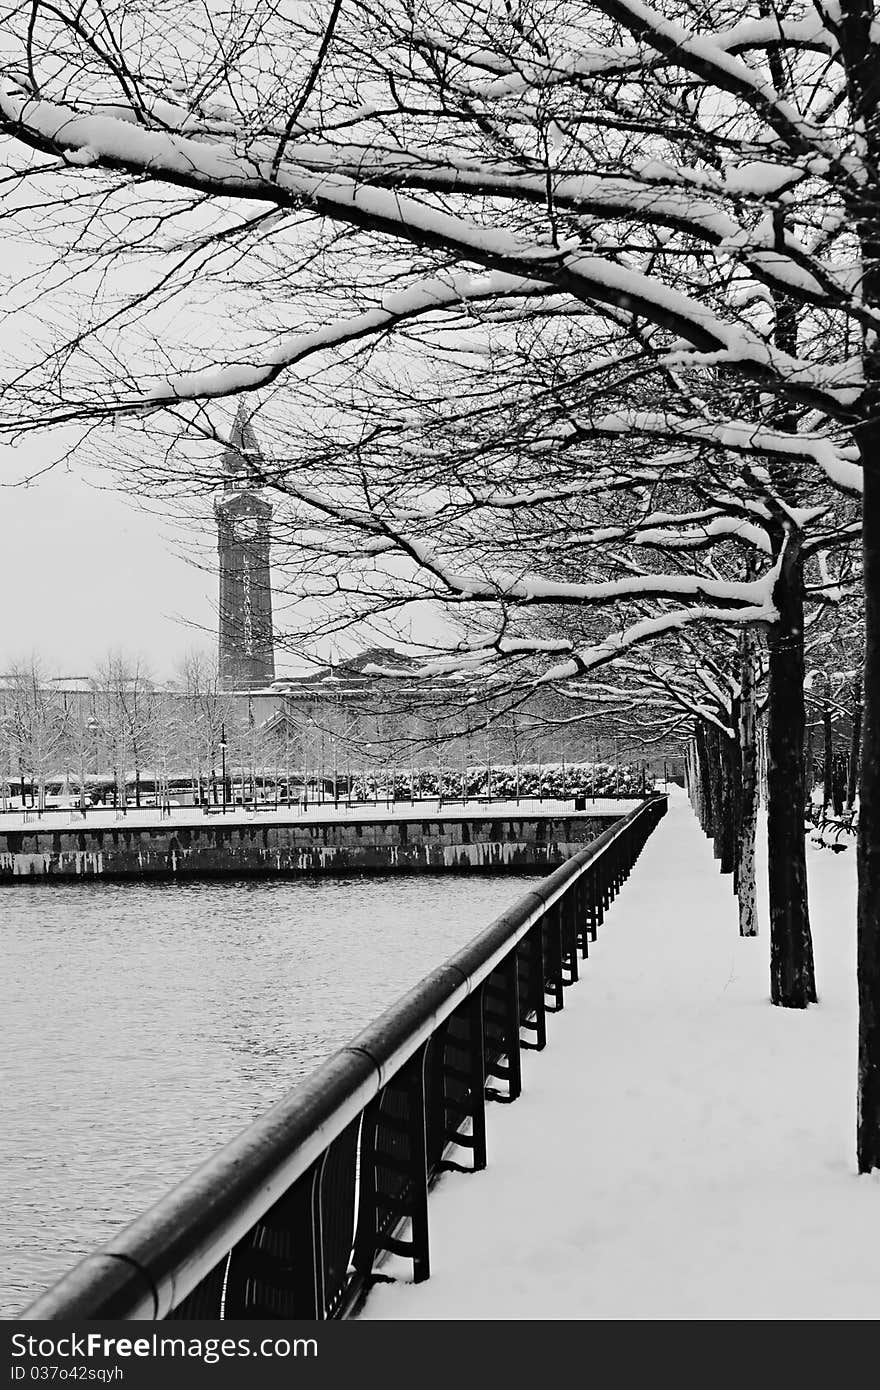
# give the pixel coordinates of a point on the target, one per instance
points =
(206, 850)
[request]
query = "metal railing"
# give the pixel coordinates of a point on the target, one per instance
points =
(31, 815)
(290, 1219)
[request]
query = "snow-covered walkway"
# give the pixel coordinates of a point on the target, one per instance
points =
(681, 1149)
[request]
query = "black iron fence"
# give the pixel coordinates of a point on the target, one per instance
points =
(177, 810)
(292, 1218)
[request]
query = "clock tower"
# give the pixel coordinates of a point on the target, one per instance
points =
(244, 516)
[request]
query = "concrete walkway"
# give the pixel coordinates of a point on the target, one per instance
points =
(681, 1149)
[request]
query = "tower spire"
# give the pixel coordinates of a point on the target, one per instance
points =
(242, 456)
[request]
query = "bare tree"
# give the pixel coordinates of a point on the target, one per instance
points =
(124, 707)
(209, 712)
(708, 179)
(34, 727)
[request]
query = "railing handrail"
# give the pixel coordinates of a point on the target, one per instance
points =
(328, 802)
(157, 1259)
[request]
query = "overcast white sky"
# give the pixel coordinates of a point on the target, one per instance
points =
(85, 570)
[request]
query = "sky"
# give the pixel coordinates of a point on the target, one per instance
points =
(85, 570)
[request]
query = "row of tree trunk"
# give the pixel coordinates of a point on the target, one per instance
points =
(723, 784)
(722, 779)
(838, 770)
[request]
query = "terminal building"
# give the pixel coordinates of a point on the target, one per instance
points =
(335, 722)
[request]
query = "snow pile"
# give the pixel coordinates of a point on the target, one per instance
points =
(682, 1149)
(506, 780)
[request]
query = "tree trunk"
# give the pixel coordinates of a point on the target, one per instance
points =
(868, 951)
(713, 758)
(748, 816)
(859, 51)
(792, 979)
(735, 755)
(761, 754)
(838, 783)
(828, 757)
(727, 793)
(699, 789)
(855, 744)
(705, 778)
(694, 781)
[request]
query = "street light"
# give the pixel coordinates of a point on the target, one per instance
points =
(6, 726)
(94, 728)
(223, 762)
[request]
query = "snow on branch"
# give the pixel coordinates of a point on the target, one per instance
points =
(532, 590)
(215, 166)
(619, 59)
(649, 629)
(476, 657)
(736, 436)
(396, 307)
(714, 64)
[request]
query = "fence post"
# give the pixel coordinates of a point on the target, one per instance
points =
(277, 1270)
(478, 1078)
(470, 1103)
(394, 1173)
(580, 910)
(552, 927)
(501, 1011)
(592, 894)
(569, 934)
(532, 989)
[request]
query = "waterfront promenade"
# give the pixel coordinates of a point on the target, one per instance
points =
(312, 813)
(361, 837)
(681, 1149)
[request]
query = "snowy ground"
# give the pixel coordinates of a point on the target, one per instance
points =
(316, 813)
(681, 1149)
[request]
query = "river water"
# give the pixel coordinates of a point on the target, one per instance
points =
(145, 1024)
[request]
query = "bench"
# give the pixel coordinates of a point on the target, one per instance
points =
(831, 831)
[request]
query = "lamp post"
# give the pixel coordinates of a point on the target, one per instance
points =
(94, 729)
(6, 723)
(223, 763)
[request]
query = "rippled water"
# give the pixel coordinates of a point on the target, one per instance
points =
(144, 1025)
